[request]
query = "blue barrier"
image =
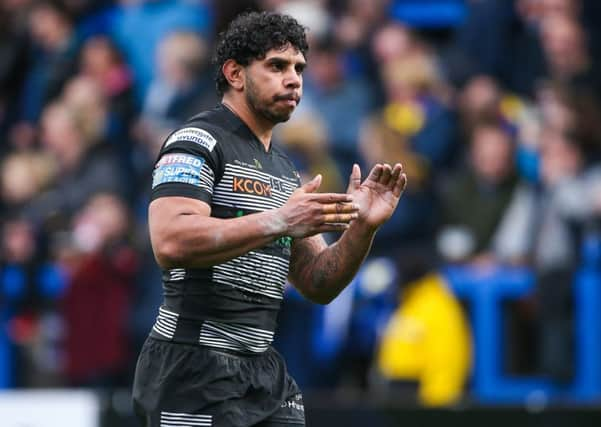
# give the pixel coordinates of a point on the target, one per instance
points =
(486, 288)
(12, 289)
(587, 300)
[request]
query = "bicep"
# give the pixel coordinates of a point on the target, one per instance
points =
(169, 208)
(165, 215)
(303, 255)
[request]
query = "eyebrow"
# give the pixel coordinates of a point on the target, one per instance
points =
(281, 61)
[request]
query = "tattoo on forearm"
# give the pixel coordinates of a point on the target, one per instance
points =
(303, 256)
(326, 267)
(322, 272)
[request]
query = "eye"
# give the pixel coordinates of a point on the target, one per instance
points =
(277, 66)
(299, 69)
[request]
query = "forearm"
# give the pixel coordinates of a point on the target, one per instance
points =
(199, 241)
(321, 274)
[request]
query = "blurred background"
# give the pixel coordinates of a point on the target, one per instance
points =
(481, 300)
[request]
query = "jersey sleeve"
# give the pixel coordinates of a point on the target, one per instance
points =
(189, 164)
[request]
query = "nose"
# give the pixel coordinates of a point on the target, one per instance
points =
(292, 80)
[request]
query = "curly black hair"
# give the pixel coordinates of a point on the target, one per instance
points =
(251, 35)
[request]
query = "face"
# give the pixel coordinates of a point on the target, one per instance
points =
(559, 158)
(273, 86)
(491, 154)
(97, 56)
(562, 40)
(481, 95)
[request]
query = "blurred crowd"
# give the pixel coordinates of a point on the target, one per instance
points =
(493, 107)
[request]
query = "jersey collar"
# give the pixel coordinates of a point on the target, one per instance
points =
(238, 123)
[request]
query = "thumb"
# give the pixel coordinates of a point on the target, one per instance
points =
(313, 185)
(355, 179)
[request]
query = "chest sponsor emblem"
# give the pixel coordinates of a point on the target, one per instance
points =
(196, 135)
(251, 186)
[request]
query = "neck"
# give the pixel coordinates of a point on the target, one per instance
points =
(261, 127)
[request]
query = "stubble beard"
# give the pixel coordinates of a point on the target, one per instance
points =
(262, 108)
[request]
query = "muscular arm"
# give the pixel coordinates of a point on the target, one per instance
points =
(183, 233)
(321, 272)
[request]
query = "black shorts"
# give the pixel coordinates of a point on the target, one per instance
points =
(190, 385)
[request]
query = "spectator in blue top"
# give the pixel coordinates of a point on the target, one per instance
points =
(138, 28)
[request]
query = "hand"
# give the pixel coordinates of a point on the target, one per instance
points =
(307, 213)
(379, 194)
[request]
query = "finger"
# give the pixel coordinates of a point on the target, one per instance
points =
(375, 173)
(331, 197)
(340, 218)
(355, 179)
(400, 185)
(396, 173)
(340, 207)
(313, 185)
(386, 173)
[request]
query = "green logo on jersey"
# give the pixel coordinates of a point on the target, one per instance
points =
(284, 241)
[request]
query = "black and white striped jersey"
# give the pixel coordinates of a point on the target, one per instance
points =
(217, 159)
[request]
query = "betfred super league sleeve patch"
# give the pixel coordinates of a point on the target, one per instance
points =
(195, 135)
(180, 168)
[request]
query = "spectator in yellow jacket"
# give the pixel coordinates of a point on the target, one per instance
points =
(428, 340)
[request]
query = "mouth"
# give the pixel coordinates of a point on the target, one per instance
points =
(289, 99)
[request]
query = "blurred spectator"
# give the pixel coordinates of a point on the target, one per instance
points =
(417, 106)
(53, 58)
(547, 226)
(85, 98)
(482, 99)
(475, 201)
(389, 43)
(417, 128)
(427, 340)
(30, 287)
(183, 87)
(566, 51)
(393, 42)
(341, 101)
(305, 139)
(357, 23)
(482, 42)
(22, 177)
(479, 99)
(97, 302)
(564, 108)
(101, 60)
(85, 166)
(132, 20)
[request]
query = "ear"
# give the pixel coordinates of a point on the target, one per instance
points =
(234, 74)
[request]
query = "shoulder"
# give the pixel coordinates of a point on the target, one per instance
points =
(204, 130)
(202, 135)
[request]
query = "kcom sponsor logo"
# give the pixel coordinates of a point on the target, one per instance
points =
(251, 186)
